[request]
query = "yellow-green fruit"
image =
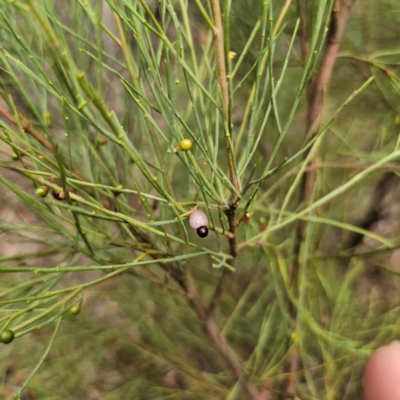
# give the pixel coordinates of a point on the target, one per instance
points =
(7, 336)
(42, 191)
(74, 310)
(101, 142)
(185, 144)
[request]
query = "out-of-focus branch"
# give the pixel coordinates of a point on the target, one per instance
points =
(223, 83)
(226, 274)
(210, 327)
(315, 92)
(35, 133)
(208, 322)
(27, 127)
(340, 13)
(303, 29)
(304, 36)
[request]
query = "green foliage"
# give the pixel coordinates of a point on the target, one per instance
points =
(97, 99)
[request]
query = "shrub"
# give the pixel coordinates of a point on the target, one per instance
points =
(272, 119)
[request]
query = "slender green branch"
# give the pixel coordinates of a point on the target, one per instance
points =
(223, 84)
(17, 395)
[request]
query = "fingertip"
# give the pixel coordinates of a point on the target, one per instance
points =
(382, 374)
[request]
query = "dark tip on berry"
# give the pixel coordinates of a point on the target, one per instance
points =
(16, 157)
(101, 142)
(58, 195)
(246, 217)
(202, 231)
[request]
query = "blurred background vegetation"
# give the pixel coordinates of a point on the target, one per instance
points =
(95, 97)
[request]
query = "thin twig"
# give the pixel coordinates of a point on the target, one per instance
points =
(339, 15)
(208, 323)
(348, 166)
(304, 36)
(220, 54)
(226, 274)
(28, 128)
(31, 130)
(223, 84)
(303, 31)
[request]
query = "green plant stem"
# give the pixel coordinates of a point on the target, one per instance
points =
(336, 192)
(223, 84)
(17, 395)
(60, 303)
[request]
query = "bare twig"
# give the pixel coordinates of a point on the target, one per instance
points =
(340, 13)
(28, 128)
(304, 36)
(223, 83)
(220, 53)
(349, 166)
(303, 30)
(226, 274)
(208, 323)
(316, 90)
(35, 133)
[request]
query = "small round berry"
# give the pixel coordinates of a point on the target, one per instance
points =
(263, 224)
(185, 144)
(246, 217)
(75, 309)
(48, 118)
(197, 219)
(42, 191)
(7, 336)
(101, 142)
(202, 231)
(16, 157)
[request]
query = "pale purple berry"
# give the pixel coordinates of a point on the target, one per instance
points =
(197, 219)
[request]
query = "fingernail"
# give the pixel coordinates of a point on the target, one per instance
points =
(395, 343)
